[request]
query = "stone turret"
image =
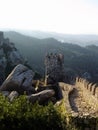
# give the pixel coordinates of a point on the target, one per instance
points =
(54, 68)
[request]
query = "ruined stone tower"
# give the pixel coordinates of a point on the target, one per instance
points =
(54, 68)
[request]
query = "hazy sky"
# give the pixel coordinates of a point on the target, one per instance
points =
(66, 16)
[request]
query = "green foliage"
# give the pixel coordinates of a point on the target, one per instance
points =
(21, 114)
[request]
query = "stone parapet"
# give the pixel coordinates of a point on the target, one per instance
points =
(89, 91)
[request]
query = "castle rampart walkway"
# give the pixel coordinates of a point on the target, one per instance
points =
(81, 99)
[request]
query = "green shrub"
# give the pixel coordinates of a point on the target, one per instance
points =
(21, 114)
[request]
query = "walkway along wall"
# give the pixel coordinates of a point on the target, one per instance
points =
(89, 92)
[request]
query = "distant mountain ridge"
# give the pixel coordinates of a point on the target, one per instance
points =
(79, 39)
(78, 59)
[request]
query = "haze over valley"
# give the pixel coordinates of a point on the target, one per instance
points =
(79, 39)
(78, 59)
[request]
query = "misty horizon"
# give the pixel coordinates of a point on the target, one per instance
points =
(60, 16)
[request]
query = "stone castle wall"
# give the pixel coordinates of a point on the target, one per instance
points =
(54, 67)
(90, 92)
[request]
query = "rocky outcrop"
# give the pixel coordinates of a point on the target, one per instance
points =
(3, 59)
(20, 79)
(5, 93)
(12, 54)
(9, 56)
(42, 97)
(12, 95)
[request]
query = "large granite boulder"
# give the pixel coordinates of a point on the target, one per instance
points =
(13, 95)
(41, 97)
(5, 93)
(20, 80)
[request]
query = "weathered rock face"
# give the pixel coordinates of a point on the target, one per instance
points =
(5, 93)
(54, 68)
(20, 80)
(12, 54)
(42, 96)
(12, 95)
(9, 56)
(3, 64)
(1, 37)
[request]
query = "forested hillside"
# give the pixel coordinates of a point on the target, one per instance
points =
(77, 59)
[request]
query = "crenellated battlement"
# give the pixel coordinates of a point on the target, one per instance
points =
(54, 59)
(91, 87)
(90, 91)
